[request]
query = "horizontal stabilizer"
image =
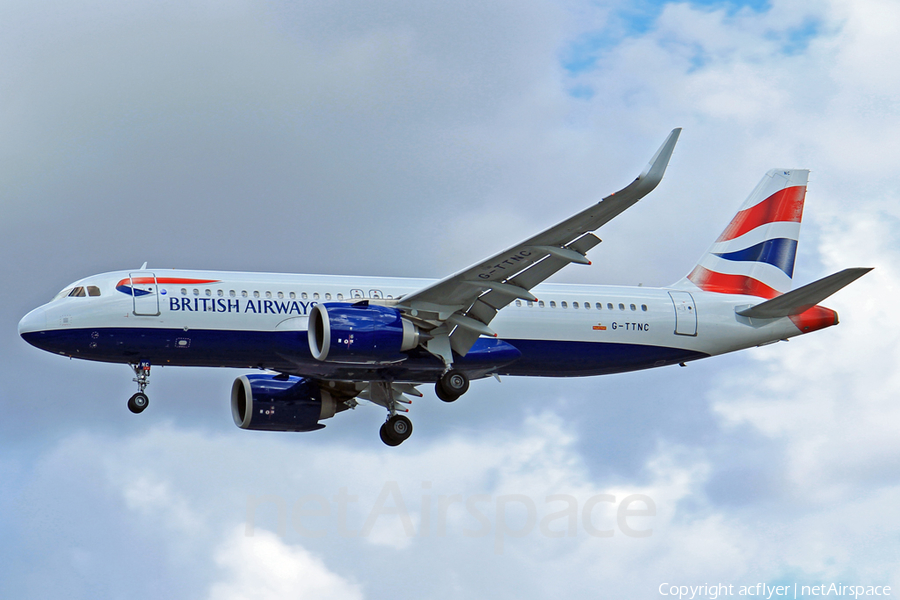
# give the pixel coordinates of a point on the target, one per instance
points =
(804, 298)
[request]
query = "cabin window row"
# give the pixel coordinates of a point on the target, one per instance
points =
(354, 294)
(584, 305)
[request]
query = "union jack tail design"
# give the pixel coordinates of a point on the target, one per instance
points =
(755, 254)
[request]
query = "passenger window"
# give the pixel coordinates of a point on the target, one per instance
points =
(587, 305)
(244, 293)
(268, 294)
(599, 306)
(93, 290)
(530, 304)
(281, 294)
(633, 307)
(621, 306)
(541, 303)
(340, 296)
(255, 294)
(609, 305)
(552, 304)
(232, 293)
(315, 295)
(304, 295)
(208, 292)
(518, 303)
(574, 305)
(328, 296)
(220, 293)
(293, 296)
(196, 292)
(644, 307)
(563, 304)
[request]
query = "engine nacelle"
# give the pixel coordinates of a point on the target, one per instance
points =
(265, 403)
(360, 333)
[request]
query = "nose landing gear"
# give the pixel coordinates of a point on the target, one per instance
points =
(140, 401)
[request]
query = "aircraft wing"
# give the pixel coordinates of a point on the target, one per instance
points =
(459, 308)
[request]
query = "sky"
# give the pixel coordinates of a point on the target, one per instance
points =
(405, 138)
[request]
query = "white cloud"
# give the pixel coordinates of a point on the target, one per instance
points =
(156, 499)
(263, 567)
(499, 472)
(832, 396)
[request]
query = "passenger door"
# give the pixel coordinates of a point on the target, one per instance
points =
(145, 293)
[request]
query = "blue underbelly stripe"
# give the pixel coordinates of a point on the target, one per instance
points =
(289, 352)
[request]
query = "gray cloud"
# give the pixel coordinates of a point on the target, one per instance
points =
(411, 139)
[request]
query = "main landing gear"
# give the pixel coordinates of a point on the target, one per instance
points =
(451, 385)
(396, 430)
(140, 401)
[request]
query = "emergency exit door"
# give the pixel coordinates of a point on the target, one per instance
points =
(685, 313)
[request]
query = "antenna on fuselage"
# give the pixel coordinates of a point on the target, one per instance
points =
(143, 266)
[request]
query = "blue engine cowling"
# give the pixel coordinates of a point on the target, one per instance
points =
(264, 403)
(360, 333)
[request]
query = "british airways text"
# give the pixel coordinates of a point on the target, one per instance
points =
(225, 305)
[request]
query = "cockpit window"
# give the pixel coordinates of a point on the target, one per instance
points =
(62, 294)
(81, 292)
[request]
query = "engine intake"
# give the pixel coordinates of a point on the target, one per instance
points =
(264, 403)
(360, 333)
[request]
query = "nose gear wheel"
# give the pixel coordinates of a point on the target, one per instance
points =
(139, 402)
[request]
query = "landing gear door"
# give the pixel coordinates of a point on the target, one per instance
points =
(145, 293)
(685, 313)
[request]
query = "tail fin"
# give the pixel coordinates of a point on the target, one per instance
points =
(755, 254)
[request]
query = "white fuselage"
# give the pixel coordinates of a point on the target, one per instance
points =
(259, 320)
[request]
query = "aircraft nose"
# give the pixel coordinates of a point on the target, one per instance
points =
(34, 321)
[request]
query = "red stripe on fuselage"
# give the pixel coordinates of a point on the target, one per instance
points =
(723, 283)
(160, 280)
(784, 205)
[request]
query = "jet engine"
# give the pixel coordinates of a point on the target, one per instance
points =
(360, 333)
(275, 403)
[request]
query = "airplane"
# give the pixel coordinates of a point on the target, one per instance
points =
(322, 343)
